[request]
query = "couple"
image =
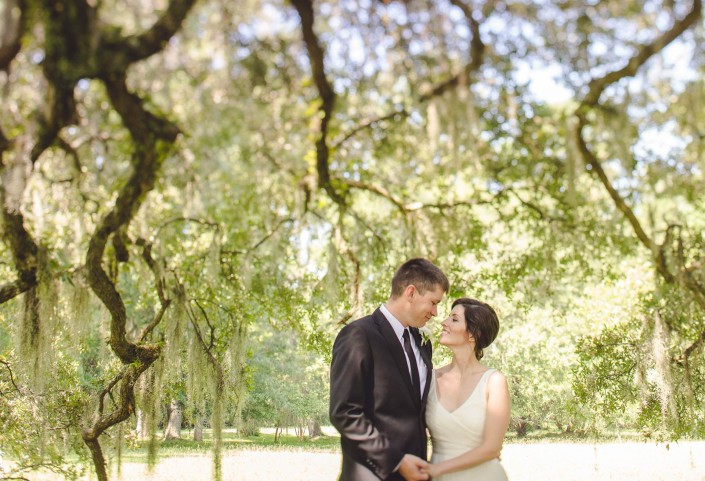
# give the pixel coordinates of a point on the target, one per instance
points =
(384, 392)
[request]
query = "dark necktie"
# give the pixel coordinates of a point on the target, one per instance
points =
(415, 380)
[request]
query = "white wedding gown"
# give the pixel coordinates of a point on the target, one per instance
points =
(456, 432)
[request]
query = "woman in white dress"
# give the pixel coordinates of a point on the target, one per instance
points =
(468, 405)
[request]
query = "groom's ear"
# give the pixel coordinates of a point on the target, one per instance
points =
(409, 291)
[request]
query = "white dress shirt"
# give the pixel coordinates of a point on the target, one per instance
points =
(399, 331)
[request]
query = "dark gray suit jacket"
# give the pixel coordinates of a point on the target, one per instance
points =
(371, 400)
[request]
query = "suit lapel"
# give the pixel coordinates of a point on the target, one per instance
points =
(394, 348)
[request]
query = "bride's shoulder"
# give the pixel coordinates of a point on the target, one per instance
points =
(496, 379)
(440, 371)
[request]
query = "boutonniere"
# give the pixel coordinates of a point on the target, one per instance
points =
(425, 334)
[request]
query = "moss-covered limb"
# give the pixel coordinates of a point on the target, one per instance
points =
(146, 129)
(596, 88)
(23, 247)
(326, 94)
(69, 49)
(12, 289)
(670, 272)
(598, 85)
(153, 138)
(124, 409)
(127, 50)
(12, 25)
(477, 55)
(78, 46)
(20, 242)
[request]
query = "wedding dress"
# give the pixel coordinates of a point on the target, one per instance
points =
(458, 431)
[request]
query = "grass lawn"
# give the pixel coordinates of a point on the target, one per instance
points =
(536, 458)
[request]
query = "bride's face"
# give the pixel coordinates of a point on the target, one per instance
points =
(454, 329)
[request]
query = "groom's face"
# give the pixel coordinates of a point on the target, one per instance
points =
(424, 306)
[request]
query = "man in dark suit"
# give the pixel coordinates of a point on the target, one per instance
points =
(380, 377)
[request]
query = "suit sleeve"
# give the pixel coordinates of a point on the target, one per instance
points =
(351, 385)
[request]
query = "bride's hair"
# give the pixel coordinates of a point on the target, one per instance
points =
(481, 322)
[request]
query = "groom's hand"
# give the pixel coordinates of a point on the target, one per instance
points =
(413, 468)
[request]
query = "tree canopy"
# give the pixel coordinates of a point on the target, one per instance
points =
(195, 193)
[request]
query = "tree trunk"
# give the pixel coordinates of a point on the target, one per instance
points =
(198, 429)
(314, 429)
(173, 425)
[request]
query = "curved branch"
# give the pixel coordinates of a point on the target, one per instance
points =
(153, 137)
(139, 47)
(326, 94)
(382, 192)
(22, 245)
(12, 376)
(477, 56)
(403, 113)
(596, 87)
(10, 290)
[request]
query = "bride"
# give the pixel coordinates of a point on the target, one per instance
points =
(468, 404)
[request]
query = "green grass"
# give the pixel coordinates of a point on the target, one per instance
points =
(265, 441)
(232, 441)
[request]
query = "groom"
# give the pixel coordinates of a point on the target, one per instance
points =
(379, 380)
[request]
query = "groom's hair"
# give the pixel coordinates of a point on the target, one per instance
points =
(421, 273)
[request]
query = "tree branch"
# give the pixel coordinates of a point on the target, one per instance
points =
(22, 245)
(12, 376)
(326, 94)
(153, 137)
(139, 47)
(477, 55)
(596, 87)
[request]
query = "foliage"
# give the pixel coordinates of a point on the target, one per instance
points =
(547, 156)
(625, 373)
(30, 444)
(287, 385)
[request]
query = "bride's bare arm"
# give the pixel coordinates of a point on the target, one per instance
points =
(496, 425)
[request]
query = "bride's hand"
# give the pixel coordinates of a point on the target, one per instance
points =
(432, 471)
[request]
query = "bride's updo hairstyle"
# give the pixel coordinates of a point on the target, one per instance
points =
(481, 323)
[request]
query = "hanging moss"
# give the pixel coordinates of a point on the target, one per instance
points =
(236, 372)
(78, 309)
(48, 302)
(28, 344)
(119, 439)
(217, 425)
(175, 340)
(213, 258)
(200, 374)
(150, 406)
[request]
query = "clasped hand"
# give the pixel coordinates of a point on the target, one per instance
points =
(413, 468)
